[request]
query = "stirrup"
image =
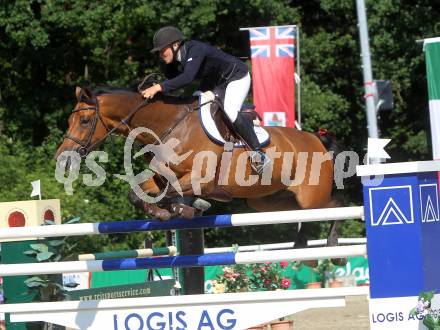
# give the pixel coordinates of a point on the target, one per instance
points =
(259, 161)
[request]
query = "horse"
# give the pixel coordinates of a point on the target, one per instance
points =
(100, 113)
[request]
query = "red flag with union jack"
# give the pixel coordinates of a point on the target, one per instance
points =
(273, 69)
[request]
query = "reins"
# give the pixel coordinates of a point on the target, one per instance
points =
(87, 146)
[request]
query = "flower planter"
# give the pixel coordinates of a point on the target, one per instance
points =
(313, 285)
(282, 325)
(335, 284)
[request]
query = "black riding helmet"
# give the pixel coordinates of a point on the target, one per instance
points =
(166, 36)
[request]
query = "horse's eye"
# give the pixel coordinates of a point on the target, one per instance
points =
(84, 120)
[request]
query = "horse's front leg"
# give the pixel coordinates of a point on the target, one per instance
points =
(152, 189)
(188, 205)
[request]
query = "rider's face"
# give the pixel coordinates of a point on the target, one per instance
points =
(166, 54)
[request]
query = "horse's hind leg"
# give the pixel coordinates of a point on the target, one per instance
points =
(332, 236)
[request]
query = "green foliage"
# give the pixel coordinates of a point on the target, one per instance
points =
(425, 311)
(48, 287)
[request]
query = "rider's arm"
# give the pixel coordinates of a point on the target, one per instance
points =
(191, 68)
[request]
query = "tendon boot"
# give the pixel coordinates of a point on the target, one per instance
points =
(259, 160)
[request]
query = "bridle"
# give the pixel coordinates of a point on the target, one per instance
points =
(86, 146)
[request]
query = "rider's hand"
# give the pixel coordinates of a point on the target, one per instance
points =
(151, 91)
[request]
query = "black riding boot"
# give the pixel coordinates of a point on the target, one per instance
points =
(259, 159)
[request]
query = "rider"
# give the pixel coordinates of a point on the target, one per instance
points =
(189, 60)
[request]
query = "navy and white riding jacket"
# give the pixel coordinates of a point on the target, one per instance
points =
(200, 61)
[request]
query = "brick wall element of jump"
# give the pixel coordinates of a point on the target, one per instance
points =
(228, 258)
(214, 221)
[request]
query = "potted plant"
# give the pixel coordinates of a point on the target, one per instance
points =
(328, 275)
(233, 279)
(281, 324)
(268, 276)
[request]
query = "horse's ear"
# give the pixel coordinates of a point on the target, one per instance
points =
(78, 91)
(83, 93)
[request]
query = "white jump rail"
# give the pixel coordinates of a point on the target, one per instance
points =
(182, 261)
(230, 220)
(286, 245)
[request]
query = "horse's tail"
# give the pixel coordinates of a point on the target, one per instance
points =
(330, 142)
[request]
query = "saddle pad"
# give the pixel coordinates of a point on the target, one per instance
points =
(210, 127)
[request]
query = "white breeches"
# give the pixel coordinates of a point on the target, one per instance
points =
(236, 93)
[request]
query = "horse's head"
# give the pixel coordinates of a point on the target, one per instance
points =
(87, 127)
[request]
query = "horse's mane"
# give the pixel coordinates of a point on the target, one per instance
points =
(101, 90)
(166, 98)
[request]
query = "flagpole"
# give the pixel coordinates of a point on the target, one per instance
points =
(369, 86)
(298, 98)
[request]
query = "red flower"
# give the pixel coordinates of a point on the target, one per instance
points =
(284, 264)
(285, 283)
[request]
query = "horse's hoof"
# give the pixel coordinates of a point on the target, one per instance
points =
(162, 215)
(156, 212)
(183, 210)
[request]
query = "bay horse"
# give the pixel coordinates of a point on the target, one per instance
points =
(98, 114)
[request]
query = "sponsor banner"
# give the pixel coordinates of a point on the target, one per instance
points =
(402, 220)
(394, 313)
(148, 289)
(216, 312)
